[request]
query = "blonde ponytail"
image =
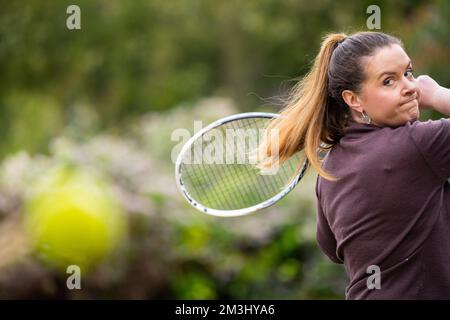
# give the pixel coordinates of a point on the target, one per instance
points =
(300, 125)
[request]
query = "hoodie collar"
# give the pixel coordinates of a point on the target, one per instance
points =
(355, 128)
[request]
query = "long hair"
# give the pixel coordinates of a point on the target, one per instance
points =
(316, 115)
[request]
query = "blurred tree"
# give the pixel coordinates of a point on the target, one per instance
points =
(133, 57)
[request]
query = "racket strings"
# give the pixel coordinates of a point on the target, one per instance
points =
(217, 195)
(277, 177)
(226, 186)
(208, 176)
(249, 177)
(213, 190)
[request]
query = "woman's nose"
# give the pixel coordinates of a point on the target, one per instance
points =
(410, 86)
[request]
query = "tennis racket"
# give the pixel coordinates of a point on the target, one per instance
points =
(216, 174)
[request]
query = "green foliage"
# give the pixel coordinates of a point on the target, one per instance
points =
(29, 121)
(138, 56)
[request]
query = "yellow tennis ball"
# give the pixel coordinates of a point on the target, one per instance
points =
(72, 219)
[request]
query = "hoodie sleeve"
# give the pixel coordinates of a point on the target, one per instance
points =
(432, 139)
(325, 237)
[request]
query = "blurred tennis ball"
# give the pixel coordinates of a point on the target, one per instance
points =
(72, 219)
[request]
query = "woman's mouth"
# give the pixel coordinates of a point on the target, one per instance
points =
(411, 107)
(411, 99)
(410, 104)
(413, 111)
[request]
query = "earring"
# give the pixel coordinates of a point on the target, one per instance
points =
(366, 118)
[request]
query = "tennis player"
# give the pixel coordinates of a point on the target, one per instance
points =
(383, 192)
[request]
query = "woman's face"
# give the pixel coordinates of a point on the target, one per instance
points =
(389, 95)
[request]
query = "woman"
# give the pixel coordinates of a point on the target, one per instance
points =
(383, 191)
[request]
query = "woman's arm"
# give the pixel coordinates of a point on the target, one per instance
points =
(433, 96)
(443, 101)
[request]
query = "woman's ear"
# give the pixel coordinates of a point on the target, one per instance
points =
(352, 100)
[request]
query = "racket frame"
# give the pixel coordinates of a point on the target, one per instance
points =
(235, 212)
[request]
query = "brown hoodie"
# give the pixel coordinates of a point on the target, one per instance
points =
(390, 209)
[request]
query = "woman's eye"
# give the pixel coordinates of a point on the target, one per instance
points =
(388, 82)
(409, 73)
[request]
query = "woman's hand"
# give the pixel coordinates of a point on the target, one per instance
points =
(433, 96)
(428, 92)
